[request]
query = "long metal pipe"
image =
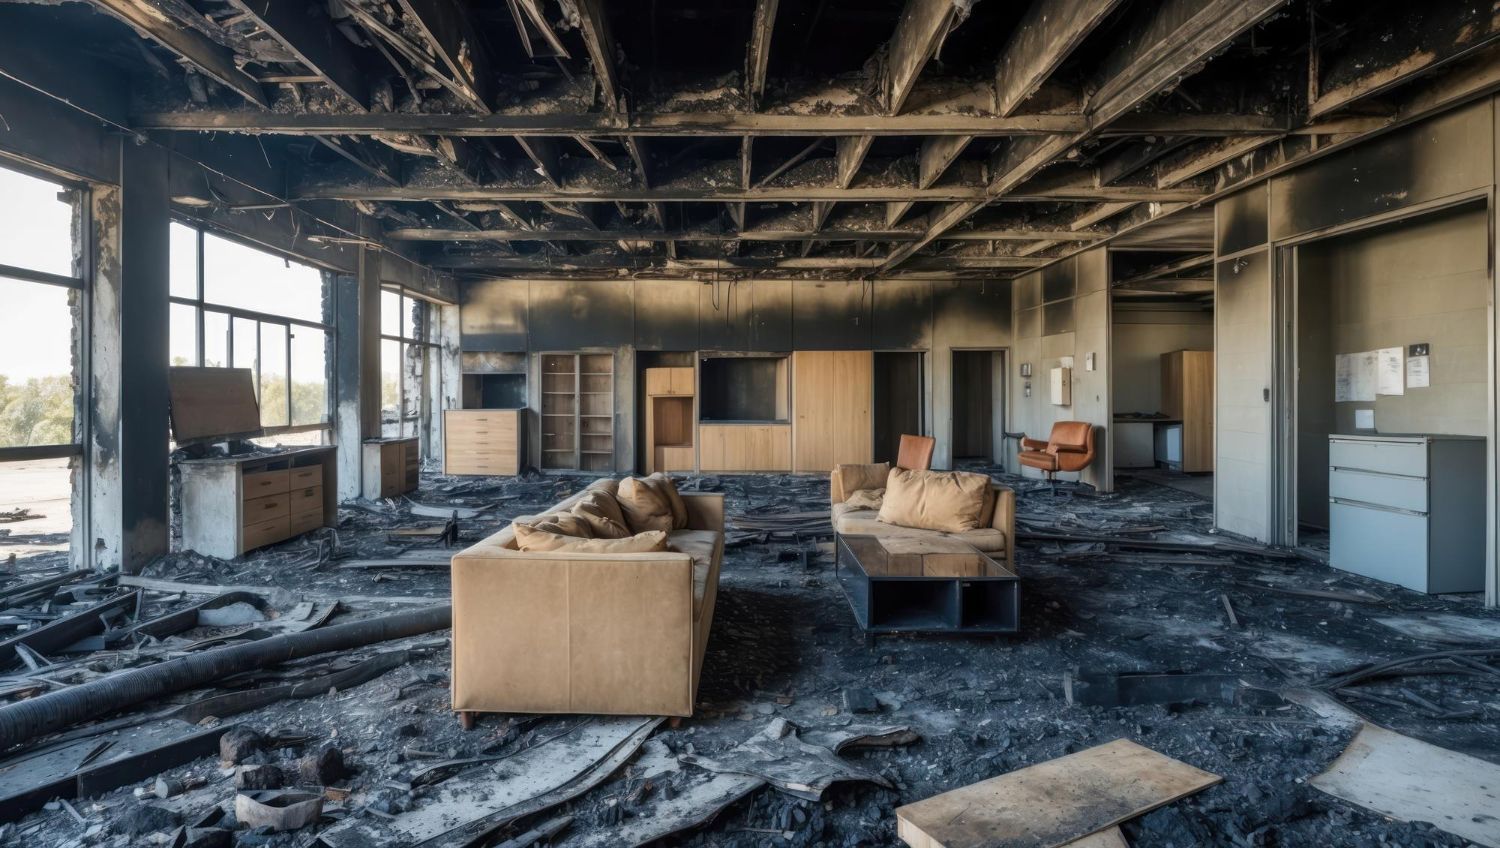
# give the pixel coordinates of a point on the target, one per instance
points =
(25, 720)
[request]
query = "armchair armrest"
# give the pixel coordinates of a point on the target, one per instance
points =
(1033, 444)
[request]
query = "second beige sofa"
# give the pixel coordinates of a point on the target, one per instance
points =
(997, 518)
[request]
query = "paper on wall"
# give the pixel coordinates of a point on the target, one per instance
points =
(1343, 378)
(1364, 419)
(1418, 373)
(1365, 376)
(1391, 371)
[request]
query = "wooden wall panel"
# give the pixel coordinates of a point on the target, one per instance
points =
(831, 409)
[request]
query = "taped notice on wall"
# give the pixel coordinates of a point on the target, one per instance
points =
(1390, 378)
(1418, 372)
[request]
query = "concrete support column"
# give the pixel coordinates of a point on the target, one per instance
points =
(129, 436)
(450, 370)
(356, 368)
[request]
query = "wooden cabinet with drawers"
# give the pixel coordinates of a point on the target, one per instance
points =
(391, 467)
(235, 504)
(483, 441)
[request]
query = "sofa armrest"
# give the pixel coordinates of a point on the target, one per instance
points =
(836, 493)
(1032, 444)
(1005, 513)
(705, 510)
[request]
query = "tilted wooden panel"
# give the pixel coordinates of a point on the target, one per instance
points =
(831, 407)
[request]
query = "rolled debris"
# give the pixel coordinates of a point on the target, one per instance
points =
(25, 720)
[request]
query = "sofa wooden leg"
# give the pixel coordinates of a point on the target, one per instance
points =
(466, 720)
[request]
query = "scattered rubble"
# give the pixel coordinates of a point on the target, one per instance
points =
(1125, 587)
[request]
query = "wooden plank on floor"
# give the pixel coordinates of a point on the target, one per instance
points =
(1052, 803)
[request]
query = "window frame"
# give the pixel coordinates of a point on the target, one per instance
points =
(418, 420)
(201, 307)
(82, 329)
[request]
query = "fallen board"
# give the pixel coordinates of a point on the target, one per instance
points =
(1111, 838)
(1410, 780)
(1052, 803)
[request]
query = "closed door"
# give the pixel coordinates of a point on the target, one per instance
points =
(831, 408)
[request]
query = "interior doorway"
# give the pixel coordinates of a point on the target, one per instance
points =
(979, 406)
(897, 401)
(1359, 306)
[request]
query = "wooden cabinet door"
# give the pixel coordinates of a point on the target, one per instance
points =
(832, 398)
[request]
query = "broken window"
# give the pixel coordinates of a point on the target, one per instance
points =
(258, 311)
(41, 289)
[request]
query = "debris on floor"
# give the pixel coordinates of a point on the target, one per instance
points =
(803, 736)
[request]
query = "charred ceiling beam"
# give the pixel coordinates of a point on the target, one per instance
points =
(1046, 35)
(919, 33)
(420, 185)
(201, 52)
(594, 27)
(1389, 50)
(1136, 158)
(496, 263)
(316, 43)
(1174, 269)
(531, 10)
(377, 160)
(758, 54)
(453, 38)
(704, 123)
(1166, 42)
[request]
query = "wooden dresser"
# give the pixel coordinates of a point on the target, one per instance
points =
(483, 441)
(1187, 394)
(391, 467)
(235, 504)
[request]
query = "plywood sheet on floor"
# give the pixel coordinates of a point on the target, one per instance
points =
(1052, 803)
(1410, 780)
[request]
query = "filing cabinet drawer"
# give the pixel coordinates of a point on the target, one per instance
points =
(1387, 490)
(305, 499)
(1406, 458)
(302, 522)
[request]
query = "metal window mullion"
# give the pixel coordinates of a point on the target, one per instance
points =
(15, 272)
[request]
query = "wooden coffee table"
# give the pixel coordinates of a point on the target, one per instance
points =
(936, 585)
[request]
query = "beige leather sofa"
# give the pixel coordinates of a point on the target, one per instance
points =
(612, 634)
(995, 535)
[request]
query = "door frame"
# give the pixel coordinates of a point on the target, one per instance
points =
(999, 401)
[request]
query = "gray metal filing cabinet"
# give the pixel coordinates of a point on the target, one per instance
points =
(1408, 510)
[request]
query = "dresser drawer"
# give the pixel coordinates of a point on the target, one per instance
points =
(1407, 458)
(307, 520)
(258, 484)
(265, 533)
(258, 510)
(1387, 490)
(308, 475)
(302, 500)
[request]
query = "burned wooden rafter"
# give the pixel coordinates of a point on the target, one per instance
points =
(758, 54)
(594, 27)
(192, 46)
(1164, 43)
(842, 122)
(1046, 35)
(322, 49)
(451, 36)
(1445, 32)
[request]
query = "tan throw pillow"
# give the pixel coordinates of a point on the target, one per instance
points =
(866, 499)
(564, 524)
(602, 512)
(532, 540)
(665, 486)
(855, 478)
(951, 501)
(645, 506)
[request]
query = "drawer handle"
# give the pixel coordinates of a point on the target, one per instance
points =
(269, 506)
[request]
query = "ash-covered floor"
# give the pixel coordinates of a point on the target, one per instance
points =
(1172, 598)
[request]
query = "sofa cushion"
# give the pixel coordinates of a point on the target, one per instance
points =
(531, 539)
(864, 522)
(645, 505)
(865, 499)
(700, 545)
(602, 512)
(668, 487)
(951, 501)
(563, 524)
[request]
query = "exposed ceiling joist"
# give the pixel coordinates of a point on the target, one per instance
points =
(198, 50)
(758, 55)
(1046, 35)
(451, 36)
(317, 45)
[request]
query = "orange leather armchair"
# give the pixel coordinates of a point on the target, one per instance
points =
(1069, 448)
(915, 453)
